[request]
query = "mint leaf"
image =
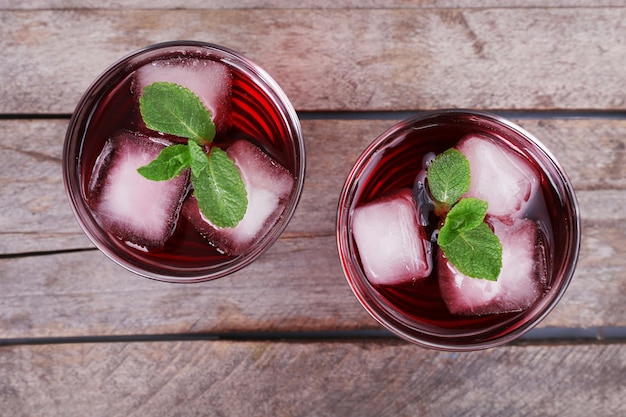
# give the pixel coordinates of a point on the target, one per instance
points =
(176, 110)
(449, 176)
(218, 187)
(476, 253)
(465, 215)
(170, 163)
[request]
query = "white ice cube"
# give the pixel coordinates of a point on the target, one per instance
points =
(521, 282)
(129, 206)
(392, 244)
(502, 178)
(268, 185)
(211, 81)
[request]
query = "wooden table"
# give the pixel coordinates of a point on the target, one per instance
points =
(81, 336)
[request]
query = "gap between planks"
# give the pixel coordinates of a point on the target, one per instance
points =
(535, 337)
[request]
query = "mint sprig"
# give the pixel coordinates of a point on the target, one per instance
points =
(465, 239)
(217, 184)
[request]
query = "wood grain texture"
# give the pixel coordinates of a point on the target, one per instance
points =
(340, 59)
(303, 4)
(37, 217)
(298, 284)
(329, 56)
(355, 378)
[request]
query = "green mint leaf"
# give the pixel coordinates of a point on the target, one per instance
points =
(464, 215)
(170, 163)
(217, 185)
(476, 253)
(449, 176)
(176, 110)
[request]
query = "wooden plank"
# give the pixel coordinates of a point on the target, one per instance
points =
(340, 59)
(298, 285)
(360, 378)
(592, 151)
(36, 213)
(37, 217)
(303, 4)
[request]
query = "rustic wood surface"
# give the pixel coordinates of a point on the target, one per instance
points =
(303, 4)
(81, 336)
(350, 378)
(298, 284)
(341, 59)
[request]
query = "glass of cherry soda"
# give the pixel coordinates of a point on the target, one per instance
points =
(155, 229)
(388, 225)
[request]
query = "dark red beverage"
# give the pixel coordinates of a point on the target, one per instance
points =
(416, 310)
(260, 113)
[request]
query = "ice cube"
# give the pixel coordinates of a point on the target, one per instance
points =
(268, 185)
(210, 80)
(129, 206)
(392, 244)
(502, 178)
(522, 280)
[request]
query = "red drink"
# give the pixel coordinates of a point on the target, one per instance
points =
(260, 113)
(416, 310)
